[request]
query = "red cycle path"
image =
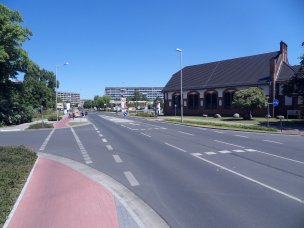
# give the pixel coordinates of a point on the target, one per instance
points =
(58, 196)
(62, 123)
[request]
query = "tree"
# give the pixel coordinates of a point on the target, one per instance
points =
(39, 86)
(295, 85)
(13, 58)
(249, 99)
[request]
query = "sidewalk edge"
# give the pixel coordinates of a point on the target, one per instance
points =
(141, 213)
(11, 214)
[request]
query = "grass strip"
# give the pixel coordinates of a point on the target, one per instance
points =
(40, 125)
(232, 126)
(16, 164)
(76, 123)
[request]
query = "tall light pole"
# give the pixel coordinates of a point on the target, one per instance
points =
(181, 76)
(60, 65)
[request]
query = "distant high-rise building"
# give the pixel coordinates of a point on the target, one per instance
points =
(116, 93)
(73, 98)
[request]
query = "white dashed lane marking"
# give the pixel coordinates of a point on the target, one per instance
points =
(109, 147)
(117, 158)
(210, 153)
(104, 140)
(186, 133)
(238, 151)
(130, 177)
(46, 140)
(272, 141)
(228, 143)
(224, 151)
(242, 136)
(83, 151)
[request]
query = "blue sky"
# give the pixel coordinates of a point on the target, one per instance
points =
(133, 43)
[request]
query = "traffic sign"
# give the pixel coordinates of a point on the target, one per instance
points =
(275, 102)
(125, 114)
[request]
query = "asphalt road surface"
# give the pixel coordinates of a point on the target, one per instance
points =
(193, 177)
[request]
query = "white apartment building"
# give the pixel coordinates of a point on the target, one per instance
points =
(116, 93)
(73, 98)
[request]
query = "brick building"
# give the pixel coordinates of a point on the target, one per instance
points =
(209, 88)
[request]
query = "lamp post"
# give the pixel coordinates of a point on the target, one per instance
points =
(60, 65)
(181, 76)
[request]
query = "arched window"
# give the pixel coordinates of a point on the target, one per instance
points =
(211, 100)
(228, 98)
(193, 100)
(176, 98)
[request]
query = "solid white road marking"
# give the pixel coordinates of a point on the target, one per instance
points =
(8, 130)
(224, 151)
(272, 141)
(238, 151)
(104, 140)
(186, 133)
(197, 155)
(273, 155)
(210, 153)
(242, 136)
(130, 177)
(109, 147)
(117, 158)
(47, 140)
(145, 135)
(250, 150)
(175, 147)
(228, 143)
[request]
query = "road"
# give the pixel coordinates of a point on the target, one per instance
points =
(193, 177)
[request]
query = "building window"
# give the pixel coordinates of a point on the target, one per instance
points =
(211, 100)
(228, 98)
(193, 100)
(176, 98)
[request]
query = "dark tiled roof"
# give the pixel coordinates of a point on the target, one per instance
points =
(287, 71)
(251, 70)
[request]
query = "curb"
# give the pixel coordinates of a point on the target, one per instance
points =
(230, 129)
(10, 216)
(140, 212)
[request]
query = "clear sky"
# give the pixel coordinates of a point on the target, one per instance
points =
(133, 42)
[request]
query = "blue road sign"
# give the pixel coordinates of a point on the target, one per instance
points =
(125, 114)
(275, 102)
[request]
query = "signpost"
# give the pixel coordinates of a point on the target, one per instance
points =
(275, 103)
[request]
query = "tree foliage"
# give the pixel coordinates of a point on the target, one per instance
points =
(249, 99)
(39, 86)
(13, 58)
(295, 85)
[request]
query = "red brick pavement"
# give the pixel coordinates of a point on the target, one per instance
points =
(62, 123)
(58, 196)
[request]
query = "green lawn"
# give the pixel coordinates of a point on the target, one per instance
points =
(40, 125)
(16, 164)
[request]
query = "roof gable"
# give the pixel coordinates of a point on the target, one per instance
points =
(233, 72)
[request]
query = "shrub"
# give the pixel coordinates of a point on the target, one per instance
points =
(54, 118)
(40, 125)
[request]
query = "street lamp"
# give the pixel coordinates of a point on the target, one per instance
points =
(60, 65)
(181, 76)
